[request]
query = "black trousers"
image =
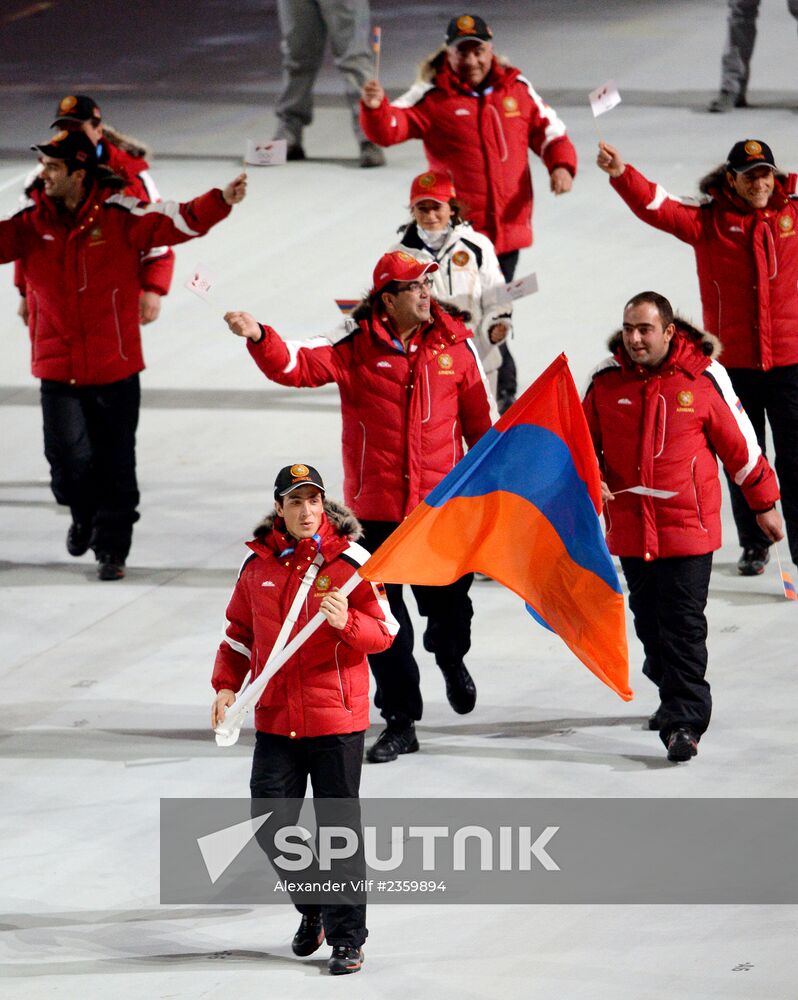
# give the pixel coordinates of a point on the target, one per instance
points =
(771, 396)
(448, 611)
(507, 385)
(90, 444)
(280, 770)
(667, 598)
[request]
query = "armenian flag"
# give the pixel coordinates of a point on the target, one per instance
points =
(523, 507)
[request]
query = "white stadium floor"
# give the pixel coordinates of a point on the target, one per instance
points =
(106, 686)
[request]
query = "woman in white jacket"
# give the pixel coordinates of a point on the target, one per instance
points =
(468, 272)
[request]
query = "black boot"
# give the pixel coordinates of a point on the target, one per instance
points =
(395, 739)
(682, 745)
(753, 561)
(110, 566)
(78, 538)
(309, 936)
(345, 960)
(460, 688)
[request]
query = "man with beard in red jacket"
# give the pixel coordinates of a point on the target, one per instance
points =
(744, 234)
(126, 157)
(478, 118)
(412, 388)
(661, 411)
(81, 247)
(312, 717)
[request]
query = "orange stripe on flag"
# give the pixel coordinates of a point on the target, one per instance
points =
(505, 536)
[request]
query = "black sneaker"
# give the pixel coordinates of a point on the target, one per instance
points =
(392, 741)
(78, 537)
(682, 745)
(753, 561)
(344, 960)
(110, 566)
(371, 155)
(654, 722)
(295, 151)
(460, 688)
(310, 935)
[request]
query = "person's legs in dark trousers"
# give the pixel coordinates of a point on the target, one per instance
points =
(736, 60)
(335, 764)
(67, 448)
(782, 410)
(113, 416)
(752, 390)
(507, 386)
(396, 673)
(642, 583)
(449, 611)
(673, 592)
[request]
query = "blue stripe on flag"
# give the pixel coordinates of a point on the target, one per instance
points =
(536, 465)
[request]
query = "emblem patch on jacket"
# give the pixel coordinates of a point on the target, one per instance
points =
(786, 226)
(685, 401)
(510, 106)
(96, 237)
(445, 363)
(460, 258)
(323, 583)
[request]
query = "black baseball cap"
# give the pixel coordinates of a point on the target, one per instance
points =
(467, 27)
(293, 476)
(75, 147)
(750, 153)
(76, 108)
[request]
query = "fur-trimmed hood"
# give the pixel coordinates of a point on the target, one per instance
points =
(715, 185)
(429, 67)
(708, 344)
(341, 518)
(129, 145)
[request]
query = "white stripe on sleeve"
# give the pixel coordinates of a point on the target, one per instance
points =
(721, 378)
(171, 209)
(556, 126)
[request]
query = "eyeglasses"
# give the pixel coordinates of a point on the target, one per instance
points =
(416, 286)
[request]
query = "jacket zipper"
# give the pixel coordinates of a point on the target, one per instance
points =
(340, 681)
(362, 461)
(118, 328)
(695, 494)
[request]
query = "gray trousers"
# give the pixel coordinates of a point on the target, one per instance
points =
(735, 65)
(305, 25)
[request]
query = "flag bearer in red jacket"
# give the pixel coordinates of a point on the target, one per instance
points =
(312, 716)
(478, 118)
(81, 248)
(661, 412)
(412, 391)
(744, 233)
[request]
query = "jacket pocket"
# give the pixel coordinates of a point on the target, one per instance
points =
(343, 682)
(362, 463)
(426, 402)
(118, 325)
(695, 494)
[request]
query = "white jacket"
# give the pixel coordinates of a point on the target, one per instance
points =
(468, 276)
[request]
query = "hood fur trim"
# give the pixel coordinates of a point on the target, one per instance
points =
(340, 517)
(708, 343)
(127, 143)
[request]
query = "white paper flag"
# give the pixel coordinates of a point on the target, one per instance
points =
(604, 98)
(647, 491)
(516, 289)
(200, 282)
(266, 154)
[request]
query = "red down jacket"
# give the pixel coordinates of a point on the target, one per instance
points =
(324, 688)
(404, 414)
(665, 428)
(126, 161)
(481, 140)
(747, 262)
(83, 278)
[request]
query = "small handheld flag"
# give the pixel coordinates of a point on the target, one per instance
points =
(604, 98)
(347, 306)
(376, 45)
(786, 580)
